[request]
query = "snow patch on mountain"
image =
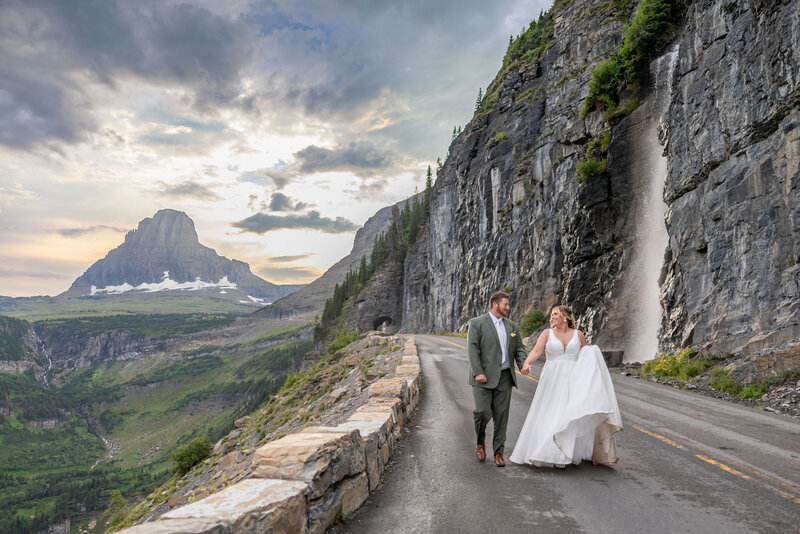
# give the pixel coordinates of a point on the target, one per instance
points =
(166, 284)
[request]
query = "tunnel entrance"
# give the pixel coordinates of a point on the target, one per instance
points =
(378, 323)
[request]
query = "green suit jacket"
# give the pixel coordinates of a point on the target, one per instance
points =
(485, 355)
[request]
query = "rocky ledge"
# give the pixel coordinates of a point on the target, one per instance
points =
(304, 481)
(783, 398)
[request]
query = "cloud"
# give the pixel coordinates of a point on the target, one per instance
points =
(265, 177)
(189, 189)
(54, 52)
(261, 223)
(361, 158)
(10, 196)
(289, 259)
(290, 274)
(77, 232)
(281, 202)
(5, 273)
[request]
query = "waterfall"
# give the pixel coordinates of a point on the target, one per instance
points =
(44, 352)
(651, 231)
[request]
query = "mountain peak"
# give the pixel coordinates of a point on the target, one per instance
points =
(164, 253)
(167, 228)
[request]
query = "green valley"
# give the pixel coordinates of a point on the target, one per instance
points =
(53, 463)
(38, 308)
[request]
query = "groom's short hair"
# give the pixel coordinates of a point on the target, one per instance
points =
(497, 297)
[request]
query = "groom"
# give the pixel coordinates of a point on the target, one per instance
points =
(494, 346)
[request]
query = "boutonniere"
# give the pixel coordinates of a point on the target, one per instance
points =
(513, 334)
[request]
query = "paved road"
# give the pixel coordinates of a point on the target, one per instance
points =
(688, 463)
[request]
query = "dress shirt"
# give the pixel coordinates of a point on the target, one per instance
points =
(501, 335)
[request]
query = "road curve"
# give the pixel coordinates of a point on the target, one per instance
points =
(688, 463)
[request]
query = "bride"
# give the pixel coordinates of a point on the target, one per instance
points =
(574, 414)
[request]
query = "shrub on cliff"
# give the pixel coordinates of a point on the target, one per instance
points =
(191, 454)
(115, 512)
(648, 30)
(532, 322)
(343, 337)
(594, 161)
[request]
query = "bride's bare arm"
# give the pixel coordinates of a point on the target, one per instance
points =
(583, 339)
(536, 353)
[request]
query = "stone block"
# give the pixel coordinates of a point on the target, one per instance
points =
(252, 505)
(323, 512)
(413, 392)
(318, 457)
(354, 492)
(391, 407)
(410, 351)
(374, 428)
(407, 370)
(410, 360)
(389, 387)
(181, 526)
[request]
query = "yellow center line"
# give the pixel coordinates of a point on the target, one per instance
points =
(452, 343)
(722, 466)
(658, 436)
(792, 497)
(528, 377)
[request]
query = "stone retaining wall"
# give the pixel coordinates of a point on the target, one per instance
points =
(302, 482)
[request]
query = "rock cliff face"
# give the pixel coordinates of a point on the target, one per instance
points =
(19, 350)
(507, 210)
(71, 349)
(164, 254)
(732, 272)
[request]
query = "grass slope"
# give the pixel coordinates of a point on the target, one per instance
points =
(38, 308)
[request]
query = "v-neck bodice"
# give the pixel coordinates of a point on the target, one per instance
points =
(556, 351)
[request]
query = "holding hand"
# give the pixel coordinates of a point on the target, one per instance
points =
(481, 379)
(526, 369)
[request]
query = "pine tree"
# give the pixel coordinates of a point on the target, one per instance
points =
(479, 99)
(428, 189)
(362, 271)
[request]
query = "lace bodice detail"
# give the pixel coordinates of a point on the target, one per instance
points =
(554, 350)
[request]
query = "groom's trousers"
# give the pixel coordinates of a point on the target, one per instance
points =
(493, 404)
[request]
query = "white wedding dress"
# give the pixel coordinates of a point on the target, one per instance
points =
(574, 414)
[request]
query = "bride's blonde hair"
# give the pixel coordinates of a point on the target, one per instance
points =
(566, 313)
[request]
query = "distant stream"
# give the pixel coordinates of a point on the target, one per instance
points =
(43, 350)
(111, 446)
(112, 449)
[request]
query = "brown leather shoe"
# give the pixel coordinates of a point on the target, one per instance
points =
(480, 452)
(498, 460)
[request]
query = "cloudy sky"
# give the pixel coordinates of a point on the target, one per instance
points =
(279, 126)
